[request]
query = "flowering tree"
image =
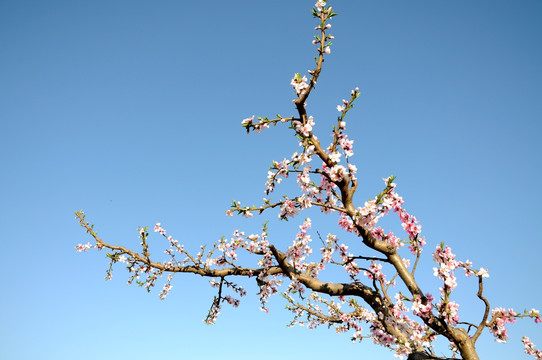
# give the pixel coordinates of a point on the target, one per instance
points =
(399, 314)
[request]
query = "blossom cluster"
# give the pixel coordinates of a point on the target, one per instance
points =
(166, 289)
(421, 309)
(375, 272)
(529, 348)
(500, 317)
(449, 311)
(214, 311)
(83, 247)
(304, 128)
(444, 257)
(241, 210)
(347, 259)
(300, 248)
(299, 83)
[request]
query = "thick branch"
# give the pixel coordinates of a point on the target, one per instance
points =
(370, 296)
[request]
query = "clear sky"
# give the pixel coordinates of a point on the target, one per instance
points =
(131, 111)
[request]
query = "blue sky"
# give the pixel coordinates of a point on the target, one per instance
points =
(131, 111)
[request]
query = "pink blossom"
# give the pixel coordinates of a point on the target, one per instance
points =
(288, 209)
(306, 128)
(335, 157)
(346, 223)
(259, 127)
(337, 172)
(299, 83)
(483, 273)
(304, 201)
(375, 272)
(325, 185)
(346, 145)
(85, 247)
(253, 237)
(352, 169)
(535, 314)
(247, 121)
(320, 5)
(231, 301)
(419, 309)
